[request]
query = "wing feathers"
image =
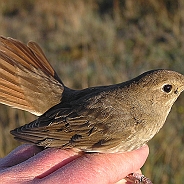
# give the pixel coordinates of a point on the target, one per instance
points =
(69, 130)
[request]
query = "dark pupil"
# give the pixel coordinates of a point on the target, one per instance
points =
(167, 88)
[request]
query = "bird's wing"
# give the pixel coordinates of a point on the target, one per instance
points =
(27, 80)
(89, 128)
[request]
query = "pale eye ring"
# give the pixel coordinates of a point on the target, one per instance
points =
(167, 88)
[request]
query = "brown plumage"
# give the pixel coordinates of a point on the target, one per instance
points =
(27, 80)
(114, 118)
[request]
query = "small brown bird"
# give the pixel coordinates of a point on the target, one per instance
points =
(115, 118)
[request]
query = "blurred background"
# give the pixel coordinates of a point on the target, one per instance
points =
(100, 42)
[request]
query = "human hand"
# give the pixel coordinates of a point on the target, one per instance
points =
(29, 164)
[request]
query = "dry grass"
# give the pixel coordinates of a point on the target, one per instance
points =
(109, 41)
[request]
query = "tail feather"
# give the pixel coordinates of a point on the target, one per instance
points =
(27, 80)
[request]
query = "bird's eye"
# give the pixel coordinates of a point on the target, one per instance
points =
(167, 88)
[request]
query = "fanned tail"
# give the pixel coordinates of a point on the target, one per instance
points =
(27, 80)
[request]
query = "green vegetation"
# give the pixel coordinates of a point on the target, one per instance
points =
(100, 42)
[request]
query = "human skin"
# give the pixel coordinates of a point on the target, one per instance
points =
(29, 164)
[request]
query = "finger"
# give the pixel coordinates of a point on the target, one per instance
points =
(50, 160)
(106, 168)
(40, 165)
(19, 155)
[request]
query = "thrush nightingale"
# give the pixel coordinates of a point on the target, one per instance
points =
(106, 119)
